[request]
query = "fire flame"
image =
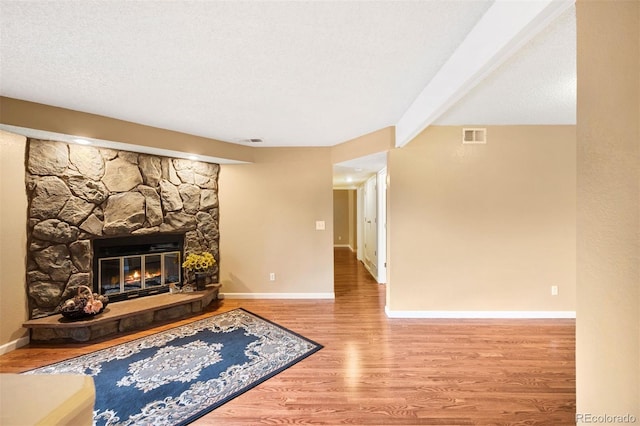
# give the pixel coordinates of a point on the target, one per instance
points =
(136, 276)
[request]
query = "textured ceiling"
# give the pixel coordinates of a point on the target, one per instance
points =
(349, 174)
(537, 85)
(293, 73)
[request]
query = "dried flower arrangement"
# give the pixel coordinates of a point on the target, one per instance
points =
(84, 304)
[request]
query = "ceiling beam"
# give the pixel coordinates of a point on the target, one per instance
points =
(503, 30)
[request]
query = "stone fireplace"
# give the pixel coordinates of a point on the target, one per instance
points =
(83, 198)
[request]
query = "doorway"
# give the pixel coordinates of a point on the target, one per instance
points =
(360, 219)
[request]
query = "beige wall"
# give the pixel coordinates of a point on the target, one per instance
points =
(13, 241)
(60, 120)
(344, 218)
(353, 219)
(268, 212)
(483, 227)
(379, 141)
(608, 221)
(341, 224)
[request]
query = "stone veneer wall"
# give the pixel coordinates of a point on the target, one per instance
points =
(79, 193)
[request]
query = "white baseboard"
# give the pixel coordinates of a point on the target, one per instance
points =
(14, 344)
(277, 296)
(480, 314)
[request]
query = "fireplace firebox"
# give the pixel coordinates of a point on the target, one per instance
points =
(134, 266)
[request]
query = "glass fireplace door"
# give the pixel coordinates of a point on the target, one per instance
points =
(132, 274)
(172, 268)
(110, 272)
(152, 270)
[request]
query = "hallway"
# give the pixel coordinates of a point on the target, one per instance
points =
(379, 371)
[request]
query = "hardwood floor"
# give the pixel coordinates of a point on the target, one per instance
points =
(379, 371)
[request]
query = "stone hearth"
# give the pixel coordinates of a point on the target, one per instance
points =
(125, 316)
(79, 193)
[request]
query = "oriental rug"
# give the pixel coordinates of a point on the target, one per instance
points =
(175, 376)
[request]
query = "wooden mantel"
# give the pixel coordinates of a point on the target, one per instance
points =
(123, 316)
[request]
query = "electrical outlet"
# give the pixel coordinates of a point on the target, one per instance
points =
(554, 290)
(272, 276)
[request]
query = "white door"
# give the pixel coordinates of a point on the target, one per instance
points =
(382, 226)
(371, 226)
(360, 223)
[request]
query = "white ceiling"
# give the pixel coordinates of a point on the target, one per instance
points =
(349, 174)
(537, 85)
(294, 73)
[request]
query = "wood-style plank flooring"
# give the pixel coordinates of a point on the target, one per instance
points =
(379, 371)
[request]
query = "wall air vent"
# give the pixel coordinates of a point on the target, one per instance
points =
(476, 135)
(254, 140)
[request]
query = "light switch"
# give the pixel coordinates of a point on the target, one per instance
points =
(319, 225)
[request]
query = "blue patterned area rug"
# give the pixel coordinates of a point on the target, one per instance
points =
(175, 376)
